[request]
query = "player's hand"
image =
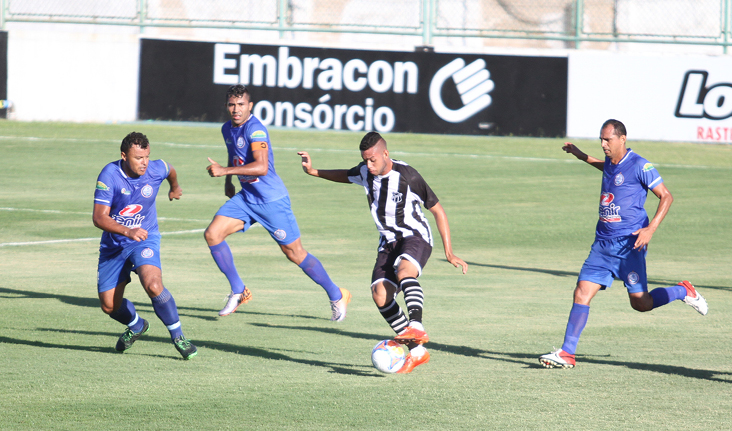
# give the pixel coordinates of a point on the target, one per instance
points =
(573, 150)
(138, 234)
(307, 163)
(175, 193)
(215, 169)
(229, 190)
(456, 261)
(644, 237)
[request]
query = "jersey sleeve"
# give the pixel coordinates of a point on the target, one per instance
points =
(104, 191)
(648, 175)
(356, 174)
(420, 187)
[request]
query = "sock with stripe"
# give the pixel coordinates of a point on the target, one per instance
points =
(394, 316)
(127, 315)
(165, 308)
(413, 297)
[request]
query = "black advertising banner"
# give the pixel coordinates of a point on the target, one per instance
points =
(358, 90)
(3, 73)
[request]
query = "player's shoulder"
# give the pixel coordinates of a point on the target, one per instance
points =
(639, 162)
(255, 130)
(405, 169)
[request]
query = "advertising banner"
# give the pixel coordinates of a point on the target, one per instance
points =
(358, 90)
(670, 98)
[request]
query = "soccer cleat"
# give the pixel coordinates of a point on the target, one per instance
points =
(412, 361)
(186, 349)
(339, 307)
(412, 334)
(234, 300)
(128, 338)
(694, 298)
(557, 359)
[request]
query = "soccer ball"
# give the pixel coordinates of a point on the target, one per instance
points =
(388, 356)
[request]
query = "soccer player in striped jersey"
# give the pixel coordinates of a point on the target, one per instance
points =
(124, 208)
(396, 192)
(621, 239)
(263, 199)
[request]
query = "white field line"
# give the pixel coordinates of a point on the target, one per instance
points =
(355, 152)
(61, 241)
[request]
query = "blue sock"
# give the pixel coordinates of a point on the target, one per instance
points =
(664, 295)
(164, 306)
(314, 269)
(127, 315)
(576, 323)
(225, 260)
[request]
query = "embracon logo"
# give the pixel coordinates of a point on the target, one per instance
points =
(473, 83)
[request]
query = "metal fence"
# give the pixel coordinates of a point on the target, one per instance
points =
(566, 23)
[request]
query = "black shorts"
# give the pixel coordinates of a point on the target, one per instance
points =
(412, 248)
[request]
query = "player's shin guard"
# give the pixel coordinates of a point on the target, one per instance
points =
(127, 315)
(414, 298)
(576, 323)
(314, 269)
(394, 316)
(221, 254)
(167, 311)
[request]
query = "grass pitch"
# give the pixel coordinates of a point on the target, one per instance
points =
(522, 214)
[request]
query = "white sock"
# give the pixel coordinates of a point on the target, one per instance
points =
(418, 351)
(416, 325)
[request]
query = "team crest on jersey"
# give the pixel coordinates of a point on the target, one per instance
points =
(130, 210)
(633, 278)
(124, 191)
(102, 186)
(648, 167)
(619, 179)
(240, 142)
(147, 253)
(280, 234)
(147, 191)
(396, 197)
(258, 134)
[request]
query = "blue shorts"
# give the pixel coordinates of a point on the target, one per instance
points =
(277, 217)
(616, 258)
(115, 268)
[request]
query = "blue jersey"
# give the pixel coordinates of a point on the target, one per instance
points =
(624, 190)
(131, 201)
(255, 189)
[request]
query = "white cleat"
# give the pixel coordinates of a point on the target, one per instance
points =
(694, 298)
(234, 300)
(338, 307)
(557, 359)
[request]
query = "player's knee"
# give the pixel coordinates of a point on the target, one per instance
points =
(211, 236)
(107, 308)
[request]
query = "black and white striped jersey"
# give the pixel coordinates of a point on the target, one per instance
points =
(396, 200)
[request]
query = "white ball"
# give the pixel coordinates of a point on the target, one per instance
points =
(388, 356)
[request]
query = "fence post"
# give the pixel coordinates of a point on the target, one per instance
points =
(725, 21)
(578, 14)
(282, 18)
(427, 19)
(2, 14)
(141, 24)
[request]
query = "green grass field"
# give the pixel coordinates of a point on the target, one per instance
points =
(522, 214)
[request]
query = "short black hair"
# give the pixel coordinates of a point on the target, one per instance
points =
(134, 138)
(370, 140)
(238, 91)
(618, 127)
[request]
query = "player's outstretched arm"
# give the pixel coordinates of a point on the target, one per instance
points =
(103, 221)
(665, 200)
(444, 228)
(175, 191)
(336, 175)
(573, 150)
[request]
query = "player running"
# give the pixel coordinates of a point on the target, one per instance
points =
(263, 199)
(621, 239)
(124, 208)
(395, 192)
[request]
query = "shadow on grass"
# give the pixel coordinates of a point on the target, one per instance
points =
(657, 282)
(94, 302)
(531, 360)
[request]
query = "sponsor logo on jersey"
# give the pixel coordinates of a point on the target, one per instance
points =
(396, 197)
(124, 191)
(648, 167)
(147, 191)
(102, 186)
(147, 253)
(130, 210)
(240, 142)
(606, 199)
(619, 179)
(280, 234)
(258, 134)
(633, 278)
